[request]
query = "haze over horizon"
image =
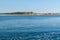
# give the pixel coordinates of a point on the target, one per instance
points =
(50, 6)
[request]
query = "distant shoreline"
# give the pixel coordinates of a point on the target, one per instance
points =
(29, 13)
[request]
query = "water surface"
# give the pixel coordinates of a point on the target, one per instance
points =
(29, 27)
(29, 23)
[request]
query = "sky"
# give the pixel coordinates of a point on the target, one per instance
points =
(29, 5)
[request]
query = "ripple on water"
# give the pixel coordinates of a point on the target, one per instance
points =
(31, 24)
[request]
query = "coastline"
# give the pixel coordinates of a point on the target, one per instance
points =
(29, 14)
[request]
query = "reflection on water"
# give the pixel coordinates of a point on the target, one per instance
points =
(32, 26)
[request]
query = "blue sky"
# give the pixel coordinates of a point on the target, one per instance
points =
(30, 5)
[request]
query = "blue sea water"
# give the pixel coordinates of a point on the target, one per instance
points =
(29, 27)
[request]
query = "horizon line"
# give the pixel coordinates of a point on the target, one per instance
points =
(30, 11)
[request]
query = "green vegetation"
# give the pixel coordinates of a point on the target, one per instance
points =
(16, 13)
(27, 13)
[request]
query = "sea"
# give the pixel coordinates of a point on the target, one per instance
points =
(30, 27)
